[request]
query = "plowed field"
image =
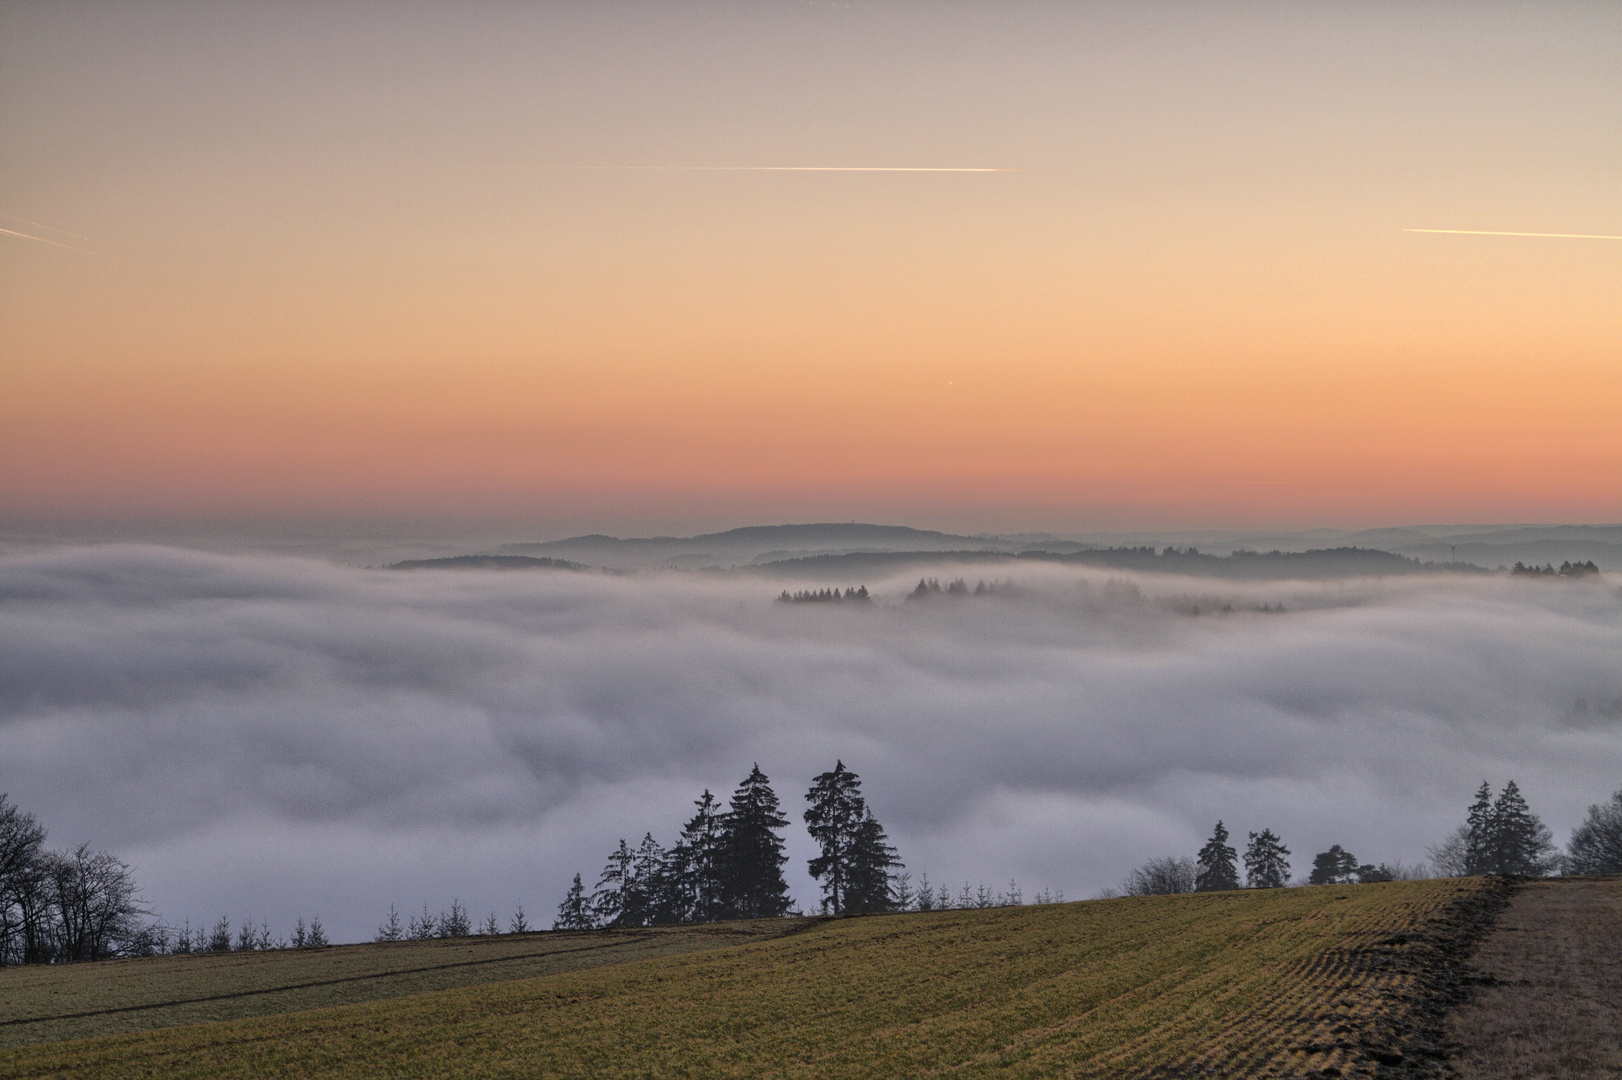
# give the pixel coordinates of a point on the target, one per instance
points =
(1279, 983)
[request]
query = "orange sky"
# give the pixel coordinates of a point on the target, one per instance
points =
(339, 274)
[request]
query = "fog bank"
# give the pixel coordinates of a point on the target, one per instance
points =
(282, 736)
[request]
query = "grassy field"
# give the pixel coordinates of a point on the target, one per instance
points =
(48, 1004)
(1279, 983)
(1549, 996)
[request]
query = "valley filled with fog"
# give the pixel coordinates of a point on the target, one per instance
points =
(276, 736)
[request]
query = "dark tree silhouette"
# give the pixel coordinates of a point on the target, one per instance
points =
(1521, 844)
(1479, 828)
(1337, 866)
(854, 867)
(751, 852)
(1217, 866)
(617, 898)
(1503, 836)
(1162, 877)
(575, 911)
(1266, 864)
(1596, 844)
(836, 810)
(22, 845)
(700, 852)
(868, 883)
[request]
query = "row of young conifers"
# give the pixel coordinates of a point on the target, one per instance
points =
(81, 904)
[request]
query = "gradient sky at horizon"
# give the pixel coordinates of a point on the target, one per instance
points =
(361, 261)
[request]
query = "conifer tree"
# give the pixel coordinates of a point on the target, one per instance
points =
(1503, 836)
(836, 811)
(751, 852)
(574, 913)
(1520, 845)
(1217, 867)
(1337, 866)
(389, 930)
(615, 902)
(648, 873)
(872, 859)
(1265, 864)
(1479, 842)
(700, 860)
(904, 896)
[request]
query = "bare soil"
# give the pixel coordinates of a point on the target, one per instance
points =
(1548, 987)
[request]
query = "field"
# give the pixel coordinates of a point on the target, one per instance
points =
(1332, 980)
(1549, 1001)
(48, 1004)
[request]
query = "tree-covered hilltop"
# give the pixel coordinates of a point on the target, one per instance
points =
(487, 562)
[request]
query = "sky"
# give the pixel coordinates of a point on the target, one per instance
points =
(559, 266)
(276, 737)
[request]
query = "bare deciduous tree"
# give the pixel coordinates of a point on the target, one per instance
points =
(1161, 877)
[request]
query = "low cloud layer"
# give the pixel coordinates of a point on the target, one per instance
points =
(279, 736)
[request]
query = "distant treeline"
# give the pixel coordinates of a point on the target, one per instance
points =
(1249, 565)
(1499, 836)
(928, 587)
(487, 562)
(825, 596)
(64, 906)
(1567, 570)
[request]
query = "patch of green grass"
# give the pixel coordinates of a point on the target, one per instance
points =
(1275, 983)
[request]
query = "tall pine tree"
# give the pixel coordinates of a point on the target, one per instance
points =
(751, 852)
(701, 846)
(618, 900)
(872, 860)
(1217, 868)
(573, 914)
(1266, 865)
(837, 811)
(1479, 840)
(1521, 844)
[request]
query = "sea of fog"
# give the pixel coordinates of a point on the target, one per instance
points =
(275, 737)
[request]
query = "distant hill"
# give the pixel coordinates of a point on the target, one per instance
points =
(1245, 565)
(753, 544)
(1312, 553)
(487, 562)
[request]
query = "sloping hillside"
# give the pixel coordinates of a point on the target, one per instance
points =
(1334, 980)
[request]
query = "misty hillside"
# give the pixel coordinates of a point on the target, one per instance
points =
(755, 544)
(1484, 545)
(1244, 565)
(487, 562)
(1366, 551)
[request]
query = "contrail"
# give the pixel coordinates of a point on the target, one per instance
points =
(47, 228)
(1488, 232)
(53, 243)
(766, 168)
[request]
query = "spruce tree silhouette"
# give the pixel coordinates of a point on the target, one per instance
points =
(1217, 865)
(1266, 865)
(751, 852)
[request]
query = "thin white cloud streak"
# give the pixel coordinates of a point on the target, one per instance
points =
(43, 240)
(769, 168)
(276, 736)
(1489, 232)
(47, 228)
